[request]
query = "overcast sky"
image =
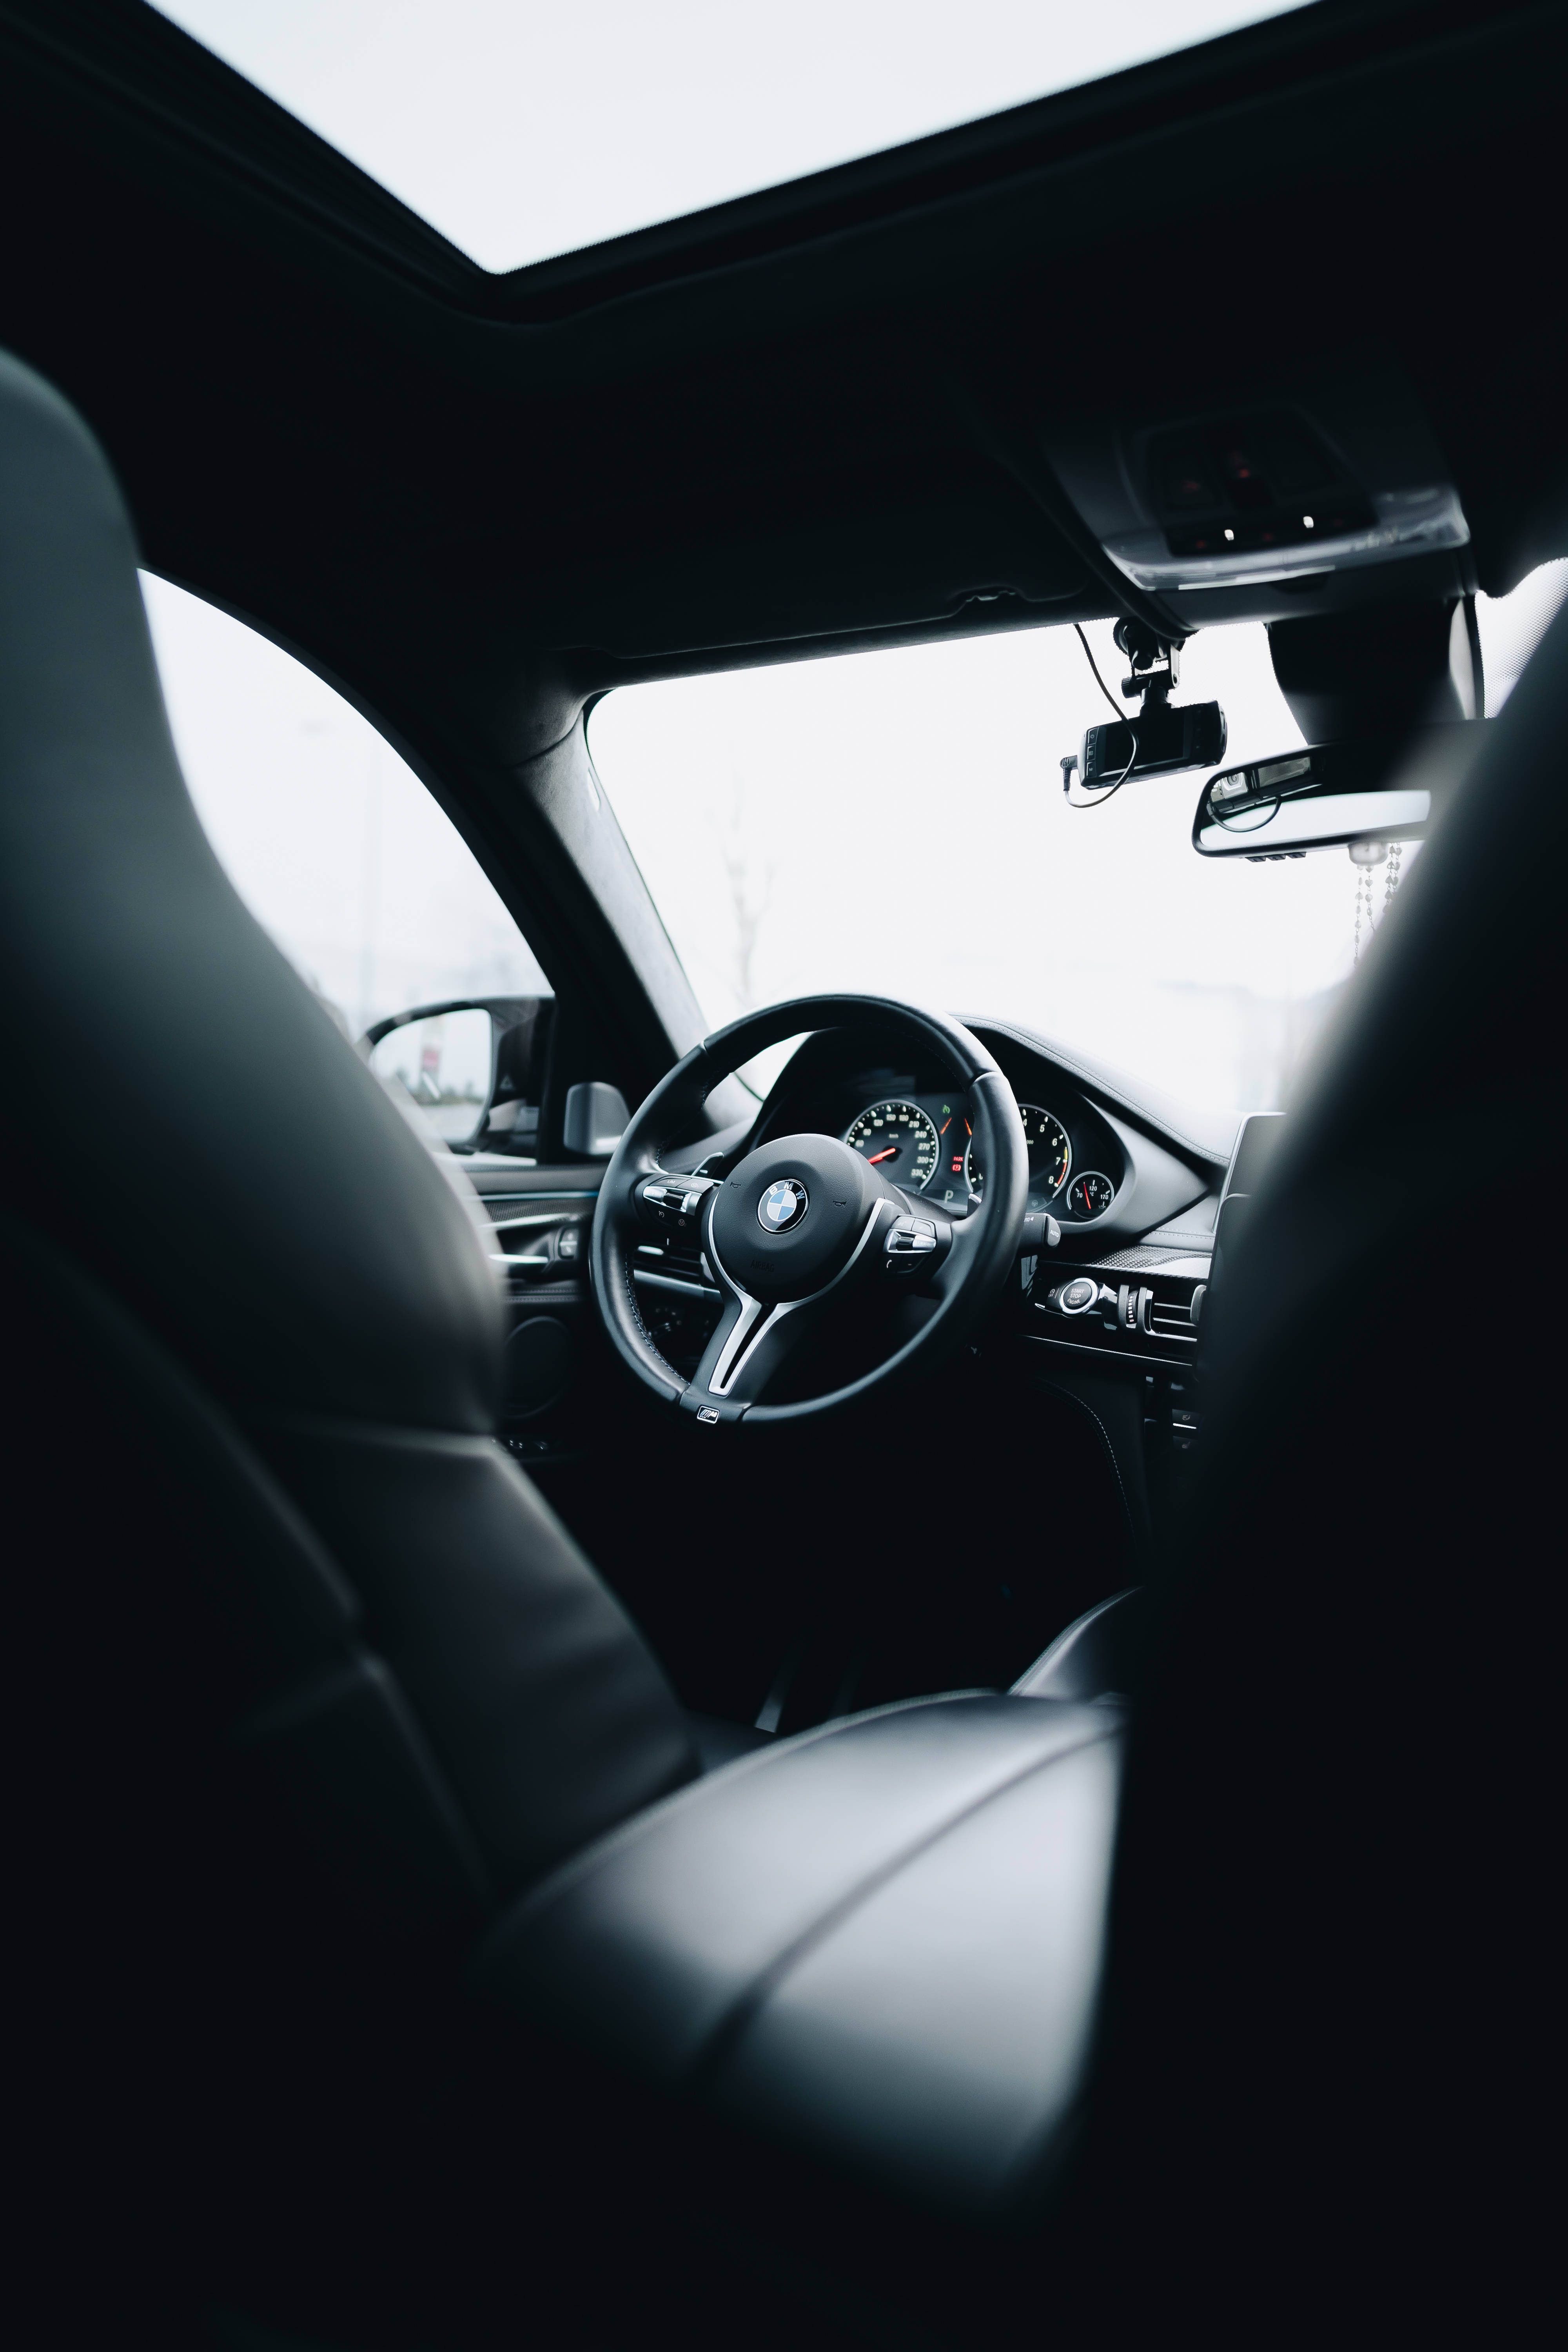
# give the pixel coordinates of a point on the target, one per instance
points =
(334, 843)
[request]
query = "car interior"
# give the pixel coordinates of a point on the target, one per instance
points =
(902, 1701)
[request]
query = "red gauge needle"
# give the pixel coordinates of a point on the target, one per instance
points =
(891, 1153)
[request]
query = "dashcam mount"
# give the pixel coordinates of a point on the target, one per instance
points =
(1155, 663)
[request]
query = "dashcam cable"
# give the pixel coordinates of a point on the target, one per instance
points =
(1088, 657)
(1108, 791)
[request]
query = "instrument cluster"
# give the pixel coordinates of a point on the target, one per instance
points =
(925, 1143)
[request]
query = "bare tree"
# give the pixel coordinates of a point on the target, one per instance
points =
(751, 877)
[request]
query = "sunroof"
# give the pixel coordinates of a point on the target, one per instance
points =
(526, 128)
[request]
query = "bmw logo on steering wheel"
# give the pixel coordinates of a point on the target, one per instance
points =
(781, 1206)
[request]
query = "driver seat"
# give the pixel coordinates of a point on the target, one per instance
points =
(323, 1717)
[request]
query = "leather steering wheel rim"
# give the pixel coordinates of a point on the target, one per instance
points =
(980, 1251)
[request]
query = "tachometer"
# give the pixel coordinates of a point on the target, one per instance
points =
(900, 1139)
(1050, 1155)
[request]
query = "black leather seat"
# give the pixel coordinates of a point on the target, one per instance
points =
(322, 1710)
(275, 1225)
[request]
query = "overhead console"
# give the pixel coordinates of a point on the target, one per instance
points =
(1237, 507)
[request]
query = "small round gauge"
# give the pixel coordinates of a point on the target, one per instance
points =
(1090, 1194)
(900, 1139)
(1050, 1155)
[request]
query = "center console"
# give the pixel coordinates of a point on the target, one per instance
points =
(1119, 1333)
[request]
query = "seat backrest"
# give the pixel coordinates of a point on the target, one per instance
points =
(256, 1207)
(1324, 2019)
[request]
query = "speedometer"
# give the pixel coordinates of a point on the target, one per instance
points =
(900, 1139)
(1050, 1154)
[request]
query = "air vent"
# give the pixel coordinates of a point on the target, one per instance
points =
(1171, 1318)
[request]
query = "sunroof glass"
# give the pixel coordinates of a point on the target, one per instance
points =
(522, 131)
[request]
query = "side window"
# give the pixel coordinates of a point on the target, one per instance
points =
(363, 880)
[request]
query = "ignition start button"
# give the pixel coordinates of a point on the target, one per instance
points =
(1078, 1296)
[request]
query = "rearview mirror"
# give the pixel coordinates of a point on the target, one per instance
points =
(1377, 790)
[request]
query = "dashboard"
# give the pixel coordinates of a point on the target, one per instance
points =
(1129, 1192)
(1107, 1316)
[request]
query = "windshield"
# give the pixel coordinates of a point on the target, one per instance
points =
(894, 822)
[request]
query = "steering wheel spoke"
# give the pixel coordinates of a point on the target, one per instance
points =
(756, 1337)
(754, 1340)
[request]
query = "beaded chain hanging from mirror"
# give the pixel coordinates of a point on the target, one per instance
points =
(1365, 855)
(1391, 877)
(1364, 914)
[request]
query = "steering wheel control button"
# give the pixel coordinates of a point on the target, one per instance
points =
(675, 1206)
(910, 1238)
(782, 1206)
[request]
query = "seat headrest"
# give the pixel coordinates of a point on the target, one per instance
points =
(1437, 1066)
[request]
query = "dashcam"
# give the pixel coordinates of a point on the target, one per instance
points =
(1160, 741)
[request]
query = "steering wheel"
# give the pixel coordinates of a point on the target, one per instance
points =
(803, 1229)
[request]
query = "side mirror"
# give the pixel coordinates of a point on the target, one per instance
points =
(470, 1067)
(594, 1120)
(1377, 790)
